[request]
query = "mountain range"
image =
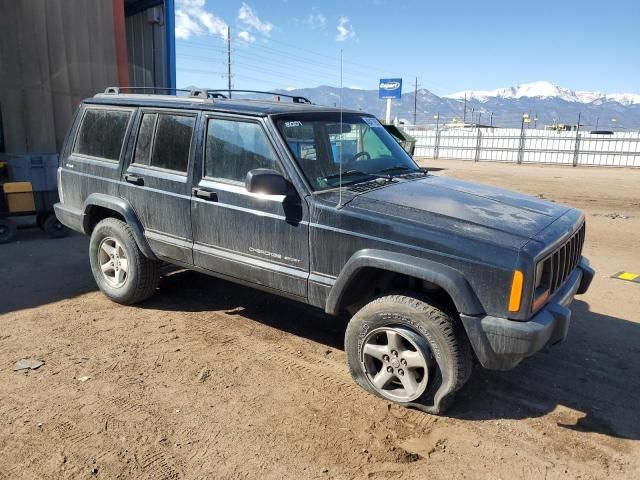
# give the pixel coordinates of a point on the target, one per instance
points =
(503, 107)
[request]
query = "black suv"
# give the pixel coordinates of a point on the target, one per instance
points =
(323, 206)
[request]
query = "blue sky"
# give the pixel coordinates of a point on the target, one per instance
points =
(449, 46)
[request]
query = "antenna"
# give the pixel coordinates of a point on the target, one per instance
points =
(340, 142)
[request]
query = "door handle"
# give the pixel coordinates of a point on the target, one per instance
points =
(135, 180)
(205, 194)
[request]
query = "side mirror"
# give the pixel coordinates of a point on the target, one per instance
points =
(267, 181)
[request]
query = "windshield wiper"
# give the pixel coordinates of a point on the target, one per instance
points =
(354, 172)
(397, 167)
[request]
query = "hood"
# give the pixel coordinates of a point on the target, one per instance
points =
(468, 206)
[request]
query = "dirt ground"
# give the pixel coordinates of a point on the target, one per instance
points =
(213, 380)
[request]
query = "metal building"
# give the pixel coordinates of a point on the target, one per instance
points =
(53, 53)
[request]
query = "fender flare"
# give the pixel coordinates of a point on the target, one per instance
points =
(124, 208)
(448, 278)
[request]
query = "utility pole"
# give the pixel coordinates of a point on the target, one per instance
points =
(473, 110)
(464, 116)
(229, 59)
(415, 101)
(491, 119)
(597, 120)
(479, 117)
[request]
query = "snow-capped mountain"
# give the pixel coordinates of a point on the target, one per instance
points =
(546, 90)
(503, 107)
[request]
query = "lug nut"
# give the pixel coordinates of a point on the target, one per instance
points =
(403, 362)
(390, 369)
(394, 353)
(385, 358)
(401, 372)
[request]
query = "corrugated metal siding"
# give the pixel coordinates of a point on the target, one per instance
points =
(53, 53)
(147, 50)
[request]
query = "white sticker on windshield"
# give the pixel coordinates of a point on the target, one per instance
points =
(372, 122)
(295, 123)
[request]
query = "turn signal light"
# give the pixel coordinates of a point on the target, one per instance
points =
(516, 291)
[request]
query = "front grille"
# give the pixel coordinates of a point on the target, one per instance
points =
(561, 263)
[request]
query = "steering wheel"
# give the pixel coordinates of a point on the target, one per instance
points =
(356, 157)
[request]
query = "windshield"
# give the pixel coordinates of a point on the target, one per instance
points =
(319, 142)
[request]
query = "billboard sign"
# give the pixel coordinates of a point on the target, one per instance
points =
(390, 88)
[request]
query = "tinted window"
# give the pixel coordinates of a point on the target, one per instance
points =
(164, 141)
(234, 148)
(102, 133)
(172, 142)
(145, 137)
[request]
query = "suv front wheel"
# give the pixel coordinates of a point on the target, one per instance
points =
(120, 269)
(406, 349)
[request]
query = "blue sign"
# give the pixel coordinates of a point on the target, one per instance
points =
(390, 88)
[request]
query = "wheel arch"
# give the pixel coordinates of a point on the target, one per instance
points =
(450, 280)
(98, 206)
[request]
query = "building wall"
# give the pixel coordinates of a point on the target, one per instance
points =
(53, 53)
(147, 48)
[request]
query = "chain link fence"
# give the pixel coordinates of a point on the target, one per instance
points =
(620, 149)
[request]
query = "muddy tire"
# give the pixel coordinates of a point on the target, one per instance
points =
(120, 269)
(407, 349)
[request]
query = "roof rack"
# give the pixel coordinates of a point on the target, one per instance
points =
(193, 93)
(294, 98)
(201, 93)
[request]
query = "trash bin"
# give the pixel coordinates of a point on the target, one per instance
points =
(405, 140)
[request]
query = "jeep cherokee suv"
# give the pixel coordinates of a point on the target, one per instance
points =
(323, 206)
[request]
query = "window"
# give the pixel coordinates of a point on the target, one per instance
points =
(164, 141)
(234, 148)
(102, 133)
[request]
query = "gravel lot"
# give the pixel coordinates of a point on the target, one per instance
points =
(213, 380)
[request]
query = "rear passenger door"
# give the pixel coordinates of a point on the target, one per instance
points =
(256, 238)
(157, 180)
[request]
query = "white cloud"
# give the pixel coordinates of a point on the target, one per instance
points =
(251, 21)
(193, 19)
(316, 20)
(345, 30)
(246, 36)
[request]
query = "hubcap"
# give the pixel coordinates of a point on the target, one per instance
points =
(113, 262)
(396, 361)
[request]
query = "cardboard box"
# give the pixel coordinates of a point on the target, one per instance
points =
(19, 197)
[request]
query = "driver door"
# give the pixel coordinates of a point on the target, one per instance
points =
(249, 237)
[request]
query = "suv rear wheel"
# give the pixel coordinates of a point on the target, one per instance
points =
(407, 349)
(120, 269)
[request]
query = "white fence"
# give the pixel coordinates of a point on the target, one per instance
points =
(621, 149)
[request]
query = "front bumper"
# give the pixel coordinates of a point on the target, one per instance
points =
(500, 343)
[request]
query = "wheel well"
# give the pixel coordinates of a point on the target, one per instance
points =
(370, 283)
(95, 214)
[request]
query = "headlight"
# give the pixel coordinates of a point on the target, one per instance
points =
(539, 274)
(541, 283)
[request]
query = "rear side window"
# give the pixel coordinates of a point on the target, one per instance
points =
(102, 133)
(164, 141)
(234, 148)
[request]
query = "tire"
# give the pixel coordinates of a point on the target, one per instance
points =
(420, 328)
(7, 230)
(54, 228)
(141, 275)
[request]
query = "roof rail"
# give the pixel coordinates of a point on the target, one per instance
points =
(201, 93)
(194, 93)
(294, 98)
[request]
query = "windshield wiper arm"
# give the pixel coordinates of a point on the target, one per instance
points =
(354, 172)
(396, 167)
